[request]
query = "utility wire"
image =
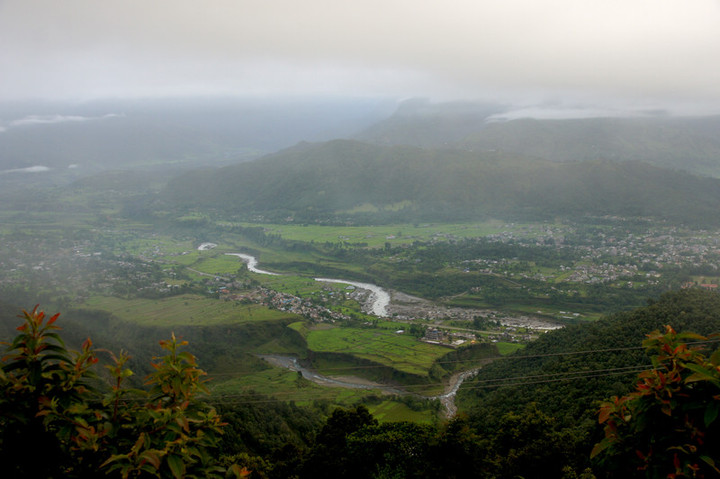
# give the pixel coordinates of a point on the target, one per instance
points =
(481, 361)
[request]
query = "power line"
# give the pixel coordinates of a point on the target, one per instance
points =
(481, 384)
(483, 360)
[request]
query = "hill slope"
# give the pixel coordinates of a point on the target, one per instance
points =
(612, 345)
(345, 179)
(686, 143)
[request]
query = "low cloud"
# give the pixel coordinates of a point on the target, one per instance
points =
(30, 169)
(49, 119)
(32, 120)
(541, 113)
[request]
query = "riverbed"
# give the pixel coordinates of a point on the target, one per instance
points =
(447, 398)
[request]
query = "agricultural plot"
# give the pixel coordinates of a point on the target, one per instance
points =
(283, 385)
(505, 348)
(393, 411)
(377, 236)
(183, 310)
(399, 351)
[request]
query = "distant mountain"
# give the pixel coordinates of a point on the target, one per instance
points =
(345, 179)
(687, 143)
(691, 144)
(184, 132)
(418, 122)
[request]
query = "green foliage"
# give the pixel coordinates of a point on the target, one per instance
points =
(43, 399)
(668, 426)
(56, 422)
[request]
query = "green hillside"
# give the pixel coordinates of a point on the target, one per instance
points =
(567, 372)
(342, 180)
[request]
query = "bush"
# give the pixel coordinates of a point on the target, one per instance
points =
(59, 420)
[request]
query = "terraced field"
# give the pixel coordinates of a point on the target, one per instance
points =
(399, 351)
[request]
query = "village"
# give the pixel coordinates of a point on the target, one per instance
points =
(65, 272)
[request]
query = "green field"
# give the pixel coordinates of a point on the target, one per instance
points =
(377, 236)
(183, 310)
(508, 348)
(393, 411)
(398, 351)
(283, 385)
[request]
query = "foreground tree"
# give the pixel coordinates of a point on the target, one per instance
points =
(59, 420)
(668, 427)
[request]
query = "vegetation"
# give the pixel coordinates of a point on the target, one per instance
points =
(667, 426)
(57, 422)
(53, 401)
(325, 182)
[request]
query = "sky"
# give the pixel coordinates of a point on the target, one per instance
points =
(637, 54)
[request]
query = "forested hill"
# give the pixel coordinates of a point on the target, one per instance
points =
(565, 374)
(350, 180)
(685, 143)
(611, 344)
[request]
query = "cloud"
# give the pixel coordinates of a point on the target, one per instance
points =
(30, 169)
(49, 119)
(31, 120)
(645, 51)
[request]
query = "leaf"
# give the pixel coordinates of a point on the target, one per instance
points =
(701, 374)
(604, 414)
(711, 413)
(238, 472)
(177, 466)
(709, 461)
(599, 447)
(152, 458)
(715, 358)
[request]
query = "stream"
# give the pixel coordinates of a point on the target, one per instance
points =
(447, 398)
(379, 301)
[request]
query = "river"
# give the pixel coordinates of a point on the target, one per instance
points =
(252, 263)
(379, 298)
(447, 398)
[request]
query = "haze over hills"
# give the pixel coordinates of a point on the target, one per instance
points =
(686, 143)
(426, 161)
(126, 134)
(350, 179)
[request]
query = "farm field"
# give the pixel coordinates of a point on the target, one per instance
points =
(183, 310)
(401, 352)
(377, 236)
(283, 385)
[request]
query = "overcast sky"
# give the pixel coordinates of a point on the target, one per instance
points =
(639, 53)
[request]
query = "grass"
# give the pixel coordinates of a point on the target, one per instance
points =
(393, 411)
(283, 385)
(183, 310)
(376, 236)
(508, 348)
(399, 351)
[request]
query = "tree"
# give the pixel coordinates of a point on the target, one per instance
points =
(668, 426)
(329, 456)
(59, 420)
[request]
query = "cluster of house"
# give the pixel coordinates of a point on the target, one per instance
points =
(284, 302)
